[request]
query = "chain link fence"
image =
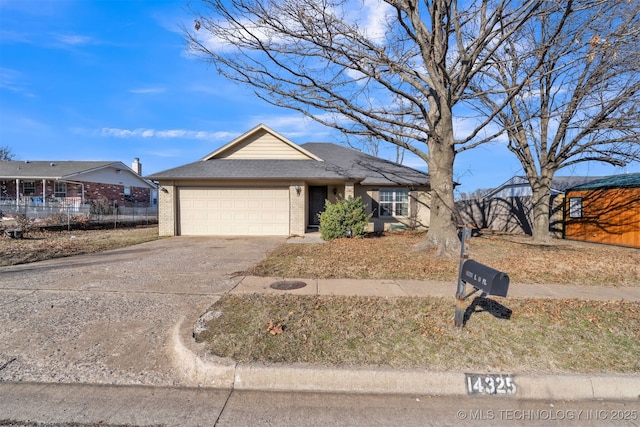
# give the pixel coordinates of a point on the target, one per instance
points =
(73, 213)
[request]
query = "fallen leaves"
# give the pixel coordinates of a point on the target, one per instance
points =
(408, 332)
(275, 328)
(391, 256)
(42, 245)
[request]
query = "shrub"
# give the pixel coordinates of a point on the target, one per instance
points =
(55, 219)
(344, 214)
(24, 223)
(101, 207)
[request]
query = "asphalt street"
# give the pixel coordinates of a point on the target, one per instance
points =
(179, 406)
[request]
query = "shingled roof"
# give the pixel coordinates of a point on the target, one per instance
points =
(369, 169)
(631, 180)
(11, 169)
(520, 185)
(337, 163)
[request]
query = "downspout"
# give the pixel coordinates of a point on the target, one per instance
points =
(74, 182)
(17, 193)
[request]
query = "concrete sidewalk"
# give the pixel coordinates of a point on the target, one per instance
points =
(423, 288)
(202, 369)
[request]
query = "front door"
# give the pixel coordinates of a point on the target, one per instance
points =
(317, 197)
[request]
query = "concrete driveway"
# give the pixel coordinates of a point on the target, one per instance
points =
(106, 318)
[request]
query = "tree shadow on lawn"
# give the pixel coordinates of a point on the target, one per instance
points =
(481, 304)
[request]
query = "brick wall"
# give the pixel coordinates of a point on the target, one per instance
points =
(166, 210)
(349, 190)
(297, 209)
(92, 191)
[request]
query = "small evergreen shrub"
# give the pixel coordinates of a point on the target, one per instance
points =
(345, 214)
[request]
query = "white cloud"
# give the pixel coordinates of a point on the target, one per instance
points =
(8, 37)
(167, 134)
(465, 126)
(296, 127)
(73, 39)
(375, 16)
(148, 90)
(55, 41)
(175, 133)
(11, 80)
(217, 90)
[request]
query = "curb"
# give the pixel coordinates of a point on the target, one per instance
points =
(202, 370)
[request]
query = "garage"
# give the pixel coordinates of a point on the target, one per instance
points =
(211, 211)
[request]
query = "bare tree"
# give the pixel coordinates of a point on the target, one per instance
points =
(6, 153)
(371, 145)
(579, 65)
(346, 63)
(367, 144)
(477, 194)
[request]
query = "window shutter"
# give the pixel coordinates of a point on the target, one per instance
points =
(375, 196)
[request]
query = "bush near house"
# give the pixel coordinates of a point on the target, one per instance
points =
(345, 218)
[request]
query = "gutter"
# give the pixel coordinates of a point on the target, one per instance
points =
(73, 182)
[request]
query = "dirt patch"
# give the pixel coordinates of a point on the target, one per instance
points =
(39, 245)
(391, 256)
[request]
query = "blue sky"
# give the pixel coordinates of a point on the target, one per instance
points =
(111, 80)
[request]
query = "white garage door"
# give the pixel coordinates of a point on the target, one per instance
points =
(223, 211)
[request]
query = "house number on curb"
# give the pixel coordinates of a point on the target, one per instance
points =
(490, 384)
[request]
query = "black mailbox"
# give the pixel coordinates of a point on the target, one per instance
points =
(485, 279)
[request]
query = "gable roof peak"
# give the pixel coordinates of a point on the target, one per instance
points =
(257, 134)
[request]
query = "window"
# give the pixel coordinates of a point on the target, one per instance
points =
(60, 189)
(394, 202)
(575, 207)
(29, 188)
(127, 194)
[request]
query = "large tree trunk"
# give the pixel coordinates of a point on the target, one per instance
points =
(443, 232)
(541, 209)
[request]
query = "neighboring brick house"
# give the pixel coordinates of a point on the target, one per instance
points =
(73, 183)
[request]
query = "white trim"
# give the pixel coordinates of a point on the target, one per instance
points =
(394, 203)
(260, 127)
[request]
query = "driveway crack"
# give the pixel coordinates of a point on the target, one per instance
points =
(10, 361)
(18, 299)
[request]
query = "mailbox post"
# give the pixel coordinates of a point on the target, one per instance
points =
(483, 278)
(464, 255)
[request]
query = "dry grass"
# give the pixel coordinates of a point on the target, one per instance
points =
(42, 245)
(540, 335)
(392, 257)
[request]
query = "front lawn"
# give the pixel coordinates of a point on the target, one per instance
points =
(503, 335)
(536, 336)
(391, 256)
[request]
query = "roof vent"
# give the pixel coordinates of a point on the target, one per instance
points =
(53, 164)
(26, 161)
